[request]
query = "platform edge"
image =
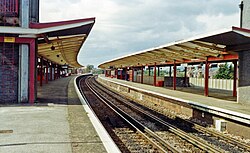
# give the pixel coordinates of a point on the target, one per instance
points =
(107, 141)
(244, 118)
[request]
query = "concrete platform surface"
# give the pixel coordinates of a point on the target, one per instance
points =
(35, 129)
(57, 123)
(191, 98)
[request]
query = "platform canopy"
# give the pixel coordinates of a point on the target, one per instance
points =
(217, 46)
(62, 41)
(59, 42)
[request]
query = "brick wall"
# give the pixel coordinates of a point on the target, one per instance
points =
(8, 73)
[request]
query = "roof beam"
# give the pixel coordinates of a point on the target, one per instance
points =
(196, 50)
(154, 58)
(212, 46)
(171, 55)
(186, 53)
(49, 48)
(41, 46)
(196, 53)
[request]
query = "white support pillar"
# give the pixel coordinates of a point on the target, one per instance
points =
(246, 14)
(244, 56)
(23, 78)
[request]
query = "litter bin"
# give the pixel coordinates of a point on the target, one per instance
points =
(159, 83)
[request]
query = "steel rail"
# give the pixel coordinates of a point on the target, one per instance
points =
(230, 140)
(221, 136)
(140, 128)
(216, 134)
(192, 139)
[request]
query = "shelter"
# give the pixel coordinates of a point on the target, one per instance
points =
(26, 44)
(208, 48)
(220, 46)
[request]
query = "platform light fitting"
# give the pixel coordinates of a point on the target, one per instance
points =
(52, 47)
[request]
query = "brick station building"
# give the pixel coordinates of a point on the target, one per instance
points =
(32, 51)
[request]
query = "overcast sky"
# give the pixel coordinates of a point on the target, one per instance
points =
(126, 26)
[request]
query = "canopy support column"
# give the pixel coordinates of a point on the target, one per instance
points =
(206, 78)
(47, 72)
(185, 78)
(142, 75)
(133, 71)
(121, 74)
(155, 75)
(170, 71)
(126, 75)
(54, 72)
(58, 71)
(41, 71)
(116, 73)
(32, 72)
(50, 72)
(235, 79)
(174, 79)
(158, 73)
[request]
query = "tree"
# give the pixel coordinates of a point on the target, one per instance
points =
(89, 68)
(225, 72)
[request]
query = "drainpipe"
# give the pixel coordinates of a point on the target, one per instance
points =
(241, 13)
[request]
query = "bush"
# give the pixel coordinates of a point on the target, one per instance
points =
(225, 72)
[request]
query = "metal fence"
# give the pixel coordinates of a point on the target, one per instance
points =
(9, 7)
(8, 72)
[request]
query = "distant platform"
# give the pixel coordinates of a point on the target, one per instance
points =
(191, 95)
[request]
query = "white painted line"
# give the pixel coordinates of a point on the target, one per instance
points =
(107, 141)
(240, 116)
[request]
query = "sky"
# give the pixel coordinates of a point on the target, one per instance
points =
(126, 26)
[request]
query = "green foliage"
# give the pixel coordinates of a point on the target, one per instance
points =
(225, 72)
(89, 68)
(180, 74)
(97, 71)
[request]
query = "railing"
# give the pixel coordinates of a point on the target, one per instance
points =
(148, 79)
(225, 84)
(8, 7)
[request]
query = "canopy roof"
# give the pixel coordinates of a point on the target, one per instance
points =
(60, 42)
(217, 46)
(63, 44)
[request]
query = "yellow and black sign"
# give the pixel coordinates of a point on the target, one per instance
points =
(9, 39)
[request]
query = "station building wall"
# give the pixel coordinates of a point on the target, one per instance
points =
(9, 68)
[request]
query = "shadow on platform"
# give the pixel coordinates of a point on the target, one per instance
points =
(60, 91)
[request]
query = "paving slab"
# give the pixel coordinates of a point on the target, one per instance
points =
(57, 123)
(83, 135)
(35, 129)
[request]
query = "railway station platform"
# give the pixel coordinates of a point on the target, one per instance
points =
(192, 105)
(56, 123)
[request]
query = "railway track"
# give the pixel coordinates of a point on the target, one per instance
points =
(227, 143)
(127, 136)
(168, 134)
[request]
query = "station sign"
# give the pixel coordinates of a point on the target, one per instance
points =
(64, 66)
(9, 39)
